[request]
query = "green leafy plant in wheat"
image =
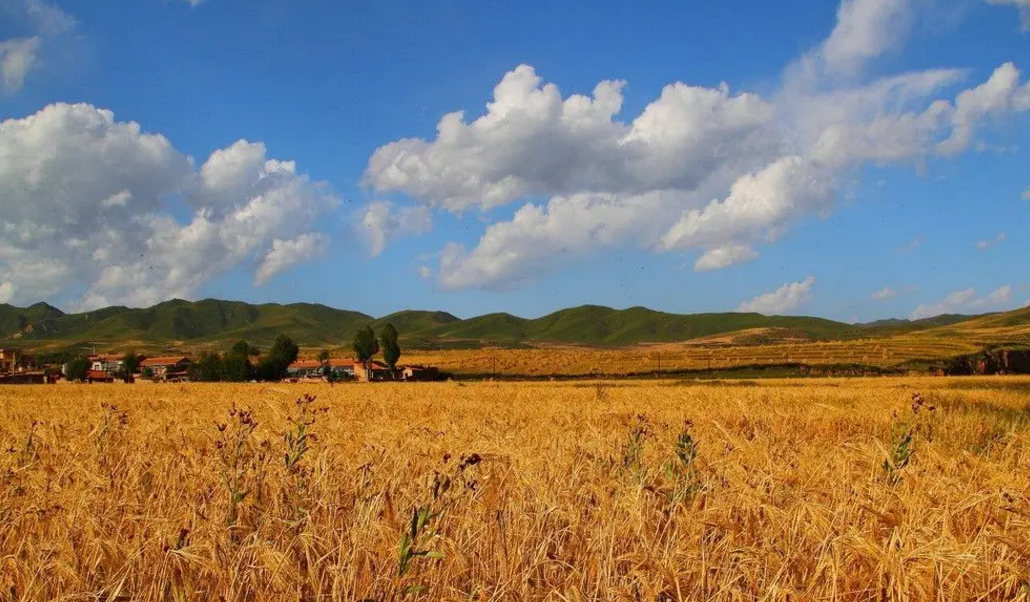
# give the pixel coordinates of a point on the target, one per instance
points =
(681, 472)
(298, 439)
(633, 447)
(422, 526)
(236, 452)
(903, 435)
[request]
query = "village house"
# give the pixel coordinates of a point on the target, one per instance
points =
(341, 368)
(417, 373)
(167, 368)
(338, 368)
(8, 360)
(373, 371)
(305, 369)
(110, 364)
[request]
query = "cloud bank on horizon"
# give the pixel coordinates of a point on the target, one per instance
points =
(109, 212)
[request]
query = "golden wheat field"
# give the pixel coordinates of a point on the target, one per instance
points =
(670, 357)
(657, 491)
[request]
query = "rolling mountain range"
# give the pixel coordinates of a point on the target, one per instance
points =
(217, 324)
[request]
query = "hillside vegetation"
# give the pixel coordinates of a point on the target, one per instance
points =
(217, 324)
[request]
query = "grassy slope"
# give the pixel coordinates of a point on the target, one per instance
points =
(210, 321)
(217, 323)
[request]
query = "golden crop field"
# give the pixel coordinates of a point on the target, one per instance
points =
(660, 491)
(578, 361)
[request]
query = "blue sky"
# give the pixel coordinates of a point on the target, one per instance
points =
(853, 161)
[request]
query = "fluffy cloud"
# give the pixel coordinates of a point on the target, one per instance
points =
(1026, 195)
(965, 301)
(1001, 94)
(286, 253)
(723, 257)
(16, 59)
(784, 299)
(381, 223)
(865, 30)
(6, 292)
(18, 56)
(759, 206)
(983, 245)
(85, 205)
(885, 293)
(531, 141)
(700, 169)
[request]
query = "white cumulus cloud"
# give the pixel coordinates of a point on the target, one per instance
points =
(784, 299)
(16, 59)
(84, 205)
(706, 170)
(965, 301)
(6, 292)
(287, 253)
(723, 257)
(382, 223)
(19, 56)
(866, 29)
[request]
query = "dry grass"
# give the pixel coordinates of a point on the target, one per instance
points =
(542, 491)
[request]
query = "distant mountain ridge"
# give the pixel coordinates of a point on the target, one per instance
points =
(218, 323)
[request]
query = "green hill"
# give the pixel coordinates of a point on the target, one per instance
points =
(213, 322)
(217, 324)
(896, 326)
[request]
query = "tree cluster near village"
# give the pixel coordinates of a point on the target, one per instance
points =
(366, 345)
(245, 362)
(236, 364)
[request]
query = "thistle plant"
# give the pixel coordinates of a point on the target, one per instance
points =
(298, 439)
(633, 447)
(681, 472)
(236, 451)
(422, 527)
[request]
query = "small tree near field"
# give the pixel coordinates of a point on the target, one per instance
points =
(236, 368)
(283, 353)
(77, 369)
(323, 355)
(208, 368)
(130, 364)
(391, 350)
(365, 345)
(245, 349)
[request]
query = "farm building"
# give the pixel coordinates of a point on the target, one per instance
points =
(111, 364)
(167, 368)
(342, 368)
(420, 373)
(8, 360)
(305, 369)
(370, 372)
